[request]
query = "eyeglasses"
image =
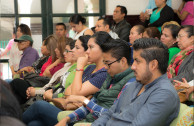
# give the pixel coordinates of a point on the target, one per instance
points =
(108, 64)
(67, 51)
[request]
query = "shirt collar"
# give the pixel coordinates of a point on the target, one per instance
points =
(120, 76)
(155, 81)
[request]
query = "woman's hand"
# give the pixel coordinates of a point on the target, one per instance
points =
(142, 17)
(82, 62)
(146, 15)
(30, 92)
(181, 84)
(48, 95)
(60, 103)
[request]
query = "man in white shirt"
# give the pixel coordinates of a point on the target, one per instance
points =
(104, 24)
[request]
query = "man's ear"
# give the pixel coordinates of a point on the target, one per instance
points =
(123, 14)
(123, 61)
(107, 27)
(153, 64)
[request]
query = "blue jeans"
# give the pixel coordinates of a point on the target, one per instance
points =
(41, 113)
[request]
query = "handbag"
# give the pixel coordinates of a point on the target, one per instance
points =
(35, 80)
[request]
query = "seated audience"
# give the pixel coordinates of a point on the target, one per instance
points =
(77, 23)
(116, 56)
(186, 12)
(120, 25)
(78, 51)
(84, 84)
(60, 30)
(19, 86)
(104, 24)
(151, 100)
(160, 15)
(15, 54)
(168, 37)
(181, 65)
(66, 75)
(151, 32)
(59, 63)
(30, 55)
(148, 10)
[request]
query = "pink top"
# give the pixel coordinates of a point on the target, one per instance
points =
(10, 44)
(48, 63)
(189, 8)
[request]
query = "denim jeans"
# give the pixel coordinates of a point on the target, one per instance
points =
(41, 113)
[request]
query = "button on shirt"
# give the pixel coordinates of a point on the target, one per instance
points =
(29, 56)
(158, 105)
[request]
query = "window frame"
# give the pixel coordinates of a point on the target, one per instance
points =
(47, 14)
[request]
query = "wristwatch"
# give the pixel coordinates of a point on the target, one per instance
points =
(86, 101)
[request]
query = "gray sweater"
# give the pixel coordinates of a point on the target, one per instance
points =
(158, 105)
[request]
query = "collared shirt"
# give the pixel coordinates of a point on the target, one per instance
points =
(113, 35)
(29, 56)
(158, 105)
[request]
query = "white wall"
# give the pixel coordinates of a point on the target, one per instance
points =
(134, 7)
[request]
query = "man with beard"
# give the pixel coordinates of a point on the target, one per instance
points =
(152, 99)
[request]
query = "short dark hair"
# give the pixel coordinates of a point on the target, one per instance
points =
(118, 49)
(140, 28)
(189, 29)
(76, 18)
(84, 40)
(64, 26)
(106, 21)
(152, 32)
(25, 29)
(123, 10)
(71, 43)
(153, 49)
(174, 29)
(101, 37)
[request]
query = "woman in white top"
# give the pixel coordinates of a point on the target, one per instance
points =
(77, 23)
(15, 54)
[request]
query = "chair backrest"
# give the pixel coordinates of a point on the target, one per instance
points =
(185, 117)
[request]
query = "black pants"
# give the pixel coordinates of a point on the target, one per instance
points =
(19, 88)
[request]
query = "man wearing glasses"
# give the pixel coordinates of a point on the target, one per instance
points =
(116, 55)
(151, 100)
